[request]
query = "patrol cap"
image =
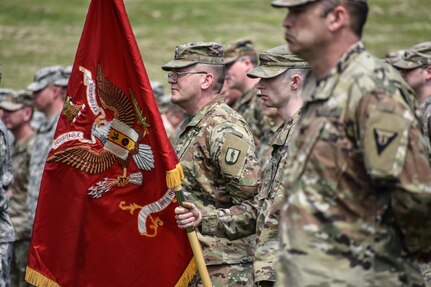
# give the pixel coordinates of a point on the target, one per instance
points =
(415, 57)
(6, 92)
(236, 49)
(209, 53)
(276, 61)
(394, 57)
(293, 3)
(15, 101)
(44, 77)
(64, 79)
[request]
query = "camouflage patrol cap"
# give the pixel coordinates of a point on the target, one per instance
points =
(16, 101)
(394, 57)
(236, 49)
(276, 61)
(209, 53)
(6, 92)
(64, 79)
(415, 57)
(44, 77)
(293, 3)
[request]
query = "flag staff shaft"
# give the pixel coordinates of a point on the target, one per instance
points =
(194, 243)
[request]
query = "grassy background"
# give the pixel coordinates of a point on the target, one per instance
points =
(40, 33)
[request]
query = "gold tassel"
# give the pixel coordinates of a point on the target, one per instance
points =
(174, 177)
(38, 279)
(188, 274)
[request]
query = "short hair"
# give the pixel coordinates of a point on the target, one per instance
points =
(218, 72)
(358, 11)
(303, 72)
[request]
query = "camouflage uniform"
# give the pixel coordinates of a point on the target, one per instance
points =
(216, 150)
(357, 182)
(249, 106)
(7, 235)
(58, 76)
(264, 209)
(41, 147)
(417, 57)
(425, 116)
(19, 211)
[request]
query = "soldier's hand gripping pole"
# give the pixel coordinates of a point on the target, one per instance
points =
(194, 243)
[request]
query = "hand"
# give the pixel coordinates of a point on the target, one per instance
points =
(188, 215)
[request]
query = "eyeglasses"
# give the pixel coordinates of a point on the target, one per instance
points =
(174, 75)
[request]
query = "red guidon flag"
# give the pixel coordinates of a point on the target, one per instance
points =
(105, 215)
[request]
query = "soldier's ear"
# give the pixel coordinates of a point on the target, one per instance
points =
(207, 81)
(337, 18)
(296, 81)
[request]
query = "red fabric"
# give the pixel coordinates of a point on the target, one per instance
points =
(83, 241)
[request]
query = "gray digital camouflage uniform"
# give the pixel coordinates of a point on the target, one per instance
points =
(41, 148)
(7, 234)
(216, 150)
(357, 182)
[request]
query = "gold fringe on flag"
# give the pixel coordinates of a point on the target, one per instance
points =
(38, 279)
(174, 176)
(188, 274)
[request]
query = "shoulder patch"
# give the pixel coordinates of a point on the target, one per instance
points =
(383, 139)
(385, 143)
(233, 154)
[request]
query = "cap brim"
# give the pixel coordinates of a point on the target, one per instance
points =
(406, 65)
(283, 4)
(177, 64)
(11, 107)
(266, 72)
(37, 86)
(229, 60)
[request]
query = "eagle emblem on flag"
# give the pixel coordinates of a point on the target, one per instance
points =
(119, 136)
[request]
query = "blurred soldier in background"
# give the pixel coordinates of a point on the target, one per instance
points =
(7, 234)
(240, 58)
(216, 150)
(18, 110)
(49, 92)
(358, 203)
(414, 65)
(172, 116)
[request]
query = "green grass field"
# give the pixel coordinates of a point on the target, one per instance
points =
(39, 33)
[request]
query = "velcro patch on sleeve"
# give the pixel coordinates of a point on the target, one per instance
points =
(385, 143)
(233, 155)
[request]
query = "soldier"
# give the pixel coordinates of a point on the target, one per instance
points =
(357, 210)
(240, 58)
(48, 97)
(216, 150)
(172, 116)
(415, 67)
(18, 110)
(7, 234)
(281, 75)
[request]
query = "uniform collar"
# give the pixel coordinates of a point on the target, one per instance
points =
(326, 84)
